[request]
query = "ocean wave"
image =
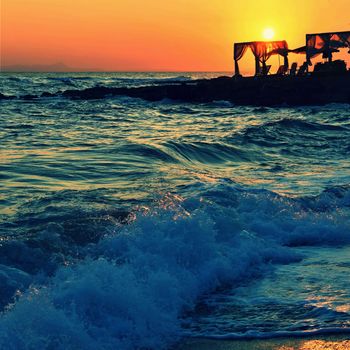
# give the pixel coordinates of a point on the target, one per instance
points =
(250, 335)
(6, 96)
(293, 136)
(147, 151)
(64, 80)
(305, 125)
(19, 126)
(69, 78)
(130, 289)
(209, 152)
(173, 79)
(294, 124)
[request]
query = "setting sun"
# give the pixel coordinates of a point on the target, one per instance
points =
(268, 33)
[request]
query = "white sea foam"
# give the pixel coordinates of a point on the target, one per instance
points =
(134, 286)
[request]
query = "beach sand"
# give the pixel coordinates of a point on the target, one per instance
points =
(315, 343)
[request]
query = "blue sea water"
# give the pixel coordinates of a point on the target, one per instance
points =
(128, 224)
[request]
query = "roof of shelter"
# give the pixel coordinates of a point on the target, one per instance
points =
(261, 48)
(329, 33)
(316, 43)
(261, 42)
(326, 43)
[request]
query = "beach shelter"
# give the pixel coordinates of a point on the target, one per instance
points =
(326, 44)
(262, 51)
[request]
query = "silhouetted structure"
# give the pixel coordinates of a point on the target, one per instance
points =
(326, 44)
(316, 44)
(262, 51)
(293, 69)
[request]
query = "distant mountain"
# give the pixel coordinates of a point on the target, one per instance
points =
(56, 67)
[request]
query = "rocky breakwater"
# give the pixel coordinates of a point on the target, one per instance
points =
(259, 91)
(271, 90)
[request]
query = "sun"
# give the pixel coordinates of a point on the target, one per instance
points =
(268, 33)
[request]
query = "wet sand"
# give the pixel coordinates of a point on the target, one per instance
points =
(313, 343)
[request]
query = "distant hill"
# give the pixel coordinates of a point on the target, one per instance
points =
(56, 67)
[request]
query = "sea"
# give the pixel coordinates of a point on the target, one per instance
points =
(127, 224)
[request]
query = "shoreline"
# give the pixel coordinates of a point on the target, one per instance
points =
(320, 342)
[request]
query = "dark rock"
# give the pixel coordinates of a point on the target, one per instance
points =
(259, 91)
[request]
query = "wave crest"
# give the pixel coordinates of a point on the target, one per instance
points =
(133, 286)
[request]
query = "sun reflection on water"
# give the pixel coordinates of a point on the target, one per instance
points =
(328, 343)
(319, 345)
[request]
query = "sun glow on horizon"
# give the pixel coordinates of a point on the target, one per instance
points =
(155, 35)
(268, 33)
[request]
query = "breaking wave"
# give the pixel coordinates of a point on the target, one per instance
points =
(131, 288)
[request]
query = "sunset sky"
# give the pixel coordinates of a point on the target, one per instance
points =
(155, 35)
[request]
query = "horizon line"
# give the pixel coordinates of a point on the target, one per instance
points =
(116, 71)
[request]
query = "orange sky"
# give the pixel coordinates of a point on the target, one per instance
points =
(165, 35)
